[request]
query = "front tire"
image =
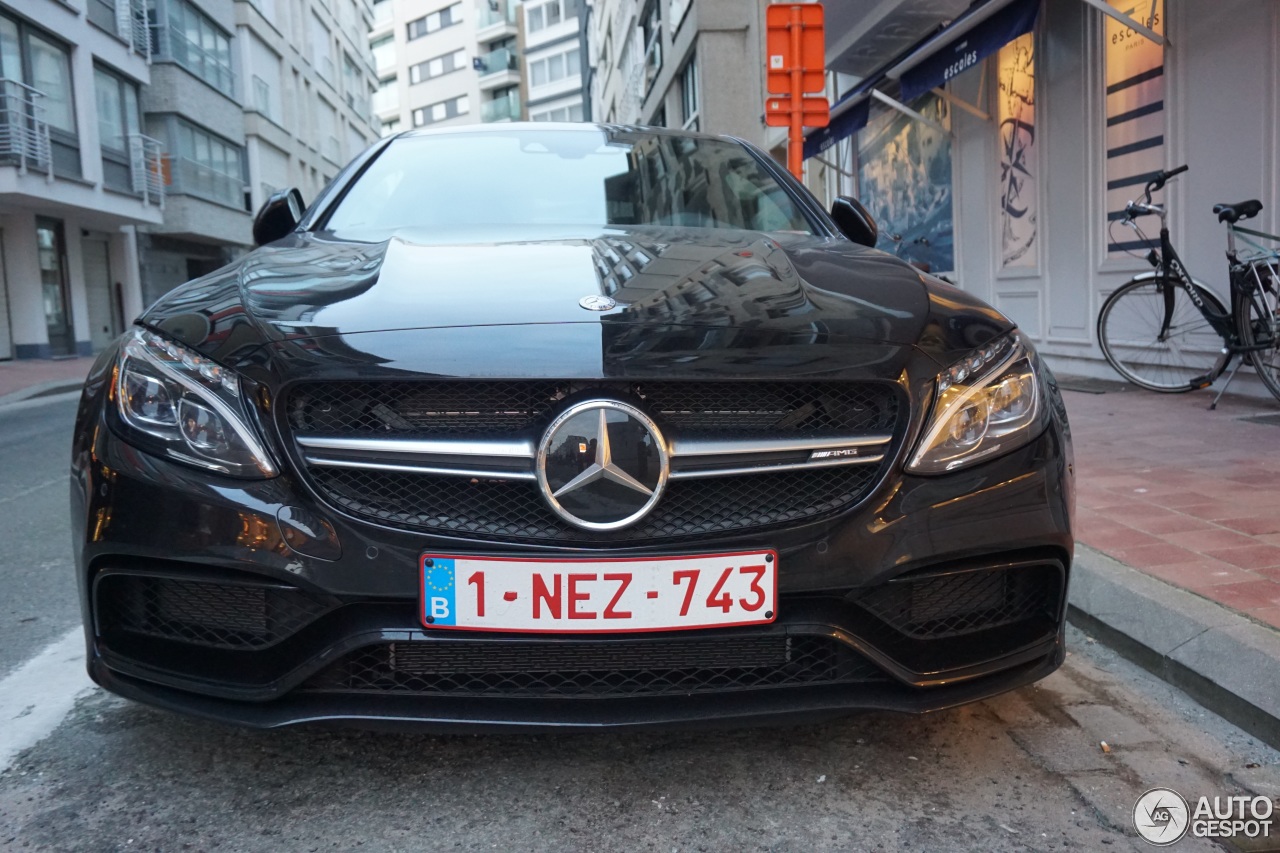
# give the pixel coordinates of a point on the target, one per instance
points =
(1129, 328)
(1258, 318)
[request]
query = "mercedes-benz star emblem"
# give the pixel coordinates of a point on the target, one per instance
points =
(602, 465)
(596, 302)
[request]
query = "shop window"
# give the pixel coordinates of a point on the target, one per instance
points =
(1135, 120)
(1019, 163)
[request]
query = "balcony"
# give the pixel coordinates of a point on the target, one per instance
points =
(496, 23)
(498, 69)
(24, 134)
(190, 177)
(505, 108)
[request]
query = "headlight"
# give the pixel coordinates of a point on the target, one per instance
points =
(987, 403)
(179, 404)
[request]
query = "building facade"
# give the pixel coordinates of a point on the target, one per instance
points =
(553, 60)
(447, 62)
(1011, 170)
(248, 96)
(654, 62)
(78, 174)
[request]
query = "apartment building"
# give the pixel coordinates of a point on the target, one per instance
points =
(553, 60)
(77, 173)
(247, 96)
(445, 63)
(653, 61)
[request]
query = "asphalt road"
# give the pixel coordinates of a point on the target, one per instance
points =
(1023, 772)
(37, 594)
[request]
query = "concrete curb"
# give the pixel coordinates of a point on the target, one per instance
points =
(1225, 661)
(42, 389)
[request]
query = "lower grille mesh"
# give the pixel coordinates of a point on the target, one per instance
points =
(627, 668)
(509, 509)
(205, 613)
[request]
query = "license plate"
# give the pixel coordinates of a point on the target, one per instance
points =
(589, 595)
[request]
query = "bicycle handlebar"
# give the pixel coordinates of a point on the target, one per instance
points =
(1157, 183)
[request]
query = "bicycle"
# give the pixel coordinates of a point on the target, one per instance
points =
(1165, 331)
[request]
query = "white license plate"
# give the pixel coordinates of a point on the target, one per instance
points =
(572, 595)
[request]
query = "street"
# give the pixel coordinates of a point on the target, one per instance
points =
(1025, 771)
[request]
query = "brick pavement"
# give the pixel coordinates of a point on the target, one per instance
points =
(22, 374)
(1188, 495)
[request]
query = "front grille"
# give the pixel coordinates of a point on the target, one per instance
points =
(489, 407)
(215, 614)
(504, 509)
(595, 668)
(507, 510)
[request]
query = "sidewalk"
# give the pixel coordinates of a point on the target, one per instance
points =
(26, 378)
(1184, 494)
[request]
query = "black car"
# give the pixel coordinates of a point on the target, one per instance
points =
(544, 426)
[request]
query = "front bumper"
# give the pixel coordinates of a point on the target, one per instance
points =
(987, 529)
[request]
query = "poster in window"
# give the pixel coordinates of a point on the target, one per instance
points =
(904, 174)
(1135, 113)
(1019, 193)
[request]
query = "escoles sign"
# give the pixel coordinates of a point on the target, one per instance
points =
(570, 595)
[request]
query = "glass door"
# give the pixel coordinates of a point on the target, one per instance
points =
(52, 247)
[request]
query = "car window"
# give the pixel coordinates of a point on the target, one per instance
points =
(590, 177)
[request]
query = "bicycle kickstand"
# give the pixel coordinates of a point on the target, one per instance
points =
(1225, 385)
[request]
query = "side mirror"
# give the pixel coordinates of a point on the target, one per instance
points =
(279, 216)
(854, 220)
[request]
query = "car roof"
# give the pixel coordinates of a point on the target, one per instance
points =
(501, 127)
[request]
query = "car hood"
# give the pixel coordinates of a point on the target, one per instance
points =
(315, 292)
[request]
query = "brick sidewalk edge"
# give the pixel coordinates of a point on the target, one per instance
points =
(1225, 661)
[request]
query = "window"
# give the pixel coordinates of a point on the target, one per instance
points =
(651, 24)
(553, 68)
(321, 48)
(439, 112)
(438, 66)
(689, 103)
(551, 13)
(207, 166)
(384, 52)
(118, 118)
(570, 113)
(353, 87)
(29, 58)
(382, 12)
(194, 41)
(265, 71)
(446, 17)
(387, 97)
(391, 126)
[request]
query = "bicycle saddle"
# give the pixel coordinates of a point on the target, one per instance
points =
(1240, 210)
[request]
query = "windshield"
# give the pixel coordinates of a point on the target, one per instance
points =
(558, 177)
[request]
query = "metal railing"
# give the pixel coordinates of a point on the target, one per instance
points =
(194, 178)
(132, 25)
(24, 134)
(146, 167)
(205, 64)
(506, 108)
(497, 61)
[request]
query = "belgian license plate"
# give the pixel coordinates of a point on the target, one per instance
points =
(589, 595)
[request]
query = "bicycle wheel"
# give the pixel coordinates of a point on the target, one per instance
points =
(1130, 326)
(1258, 318)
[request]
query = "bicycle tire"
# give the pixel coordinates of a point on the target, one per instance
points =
(1129, 331)
(1258, 318)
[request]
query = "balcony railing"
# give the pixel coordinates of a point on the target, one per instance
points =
(24, 134)
(146, 167)
(132, 25)
(506, 108)
(194, 178)
(496, 62)
(504, 14)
